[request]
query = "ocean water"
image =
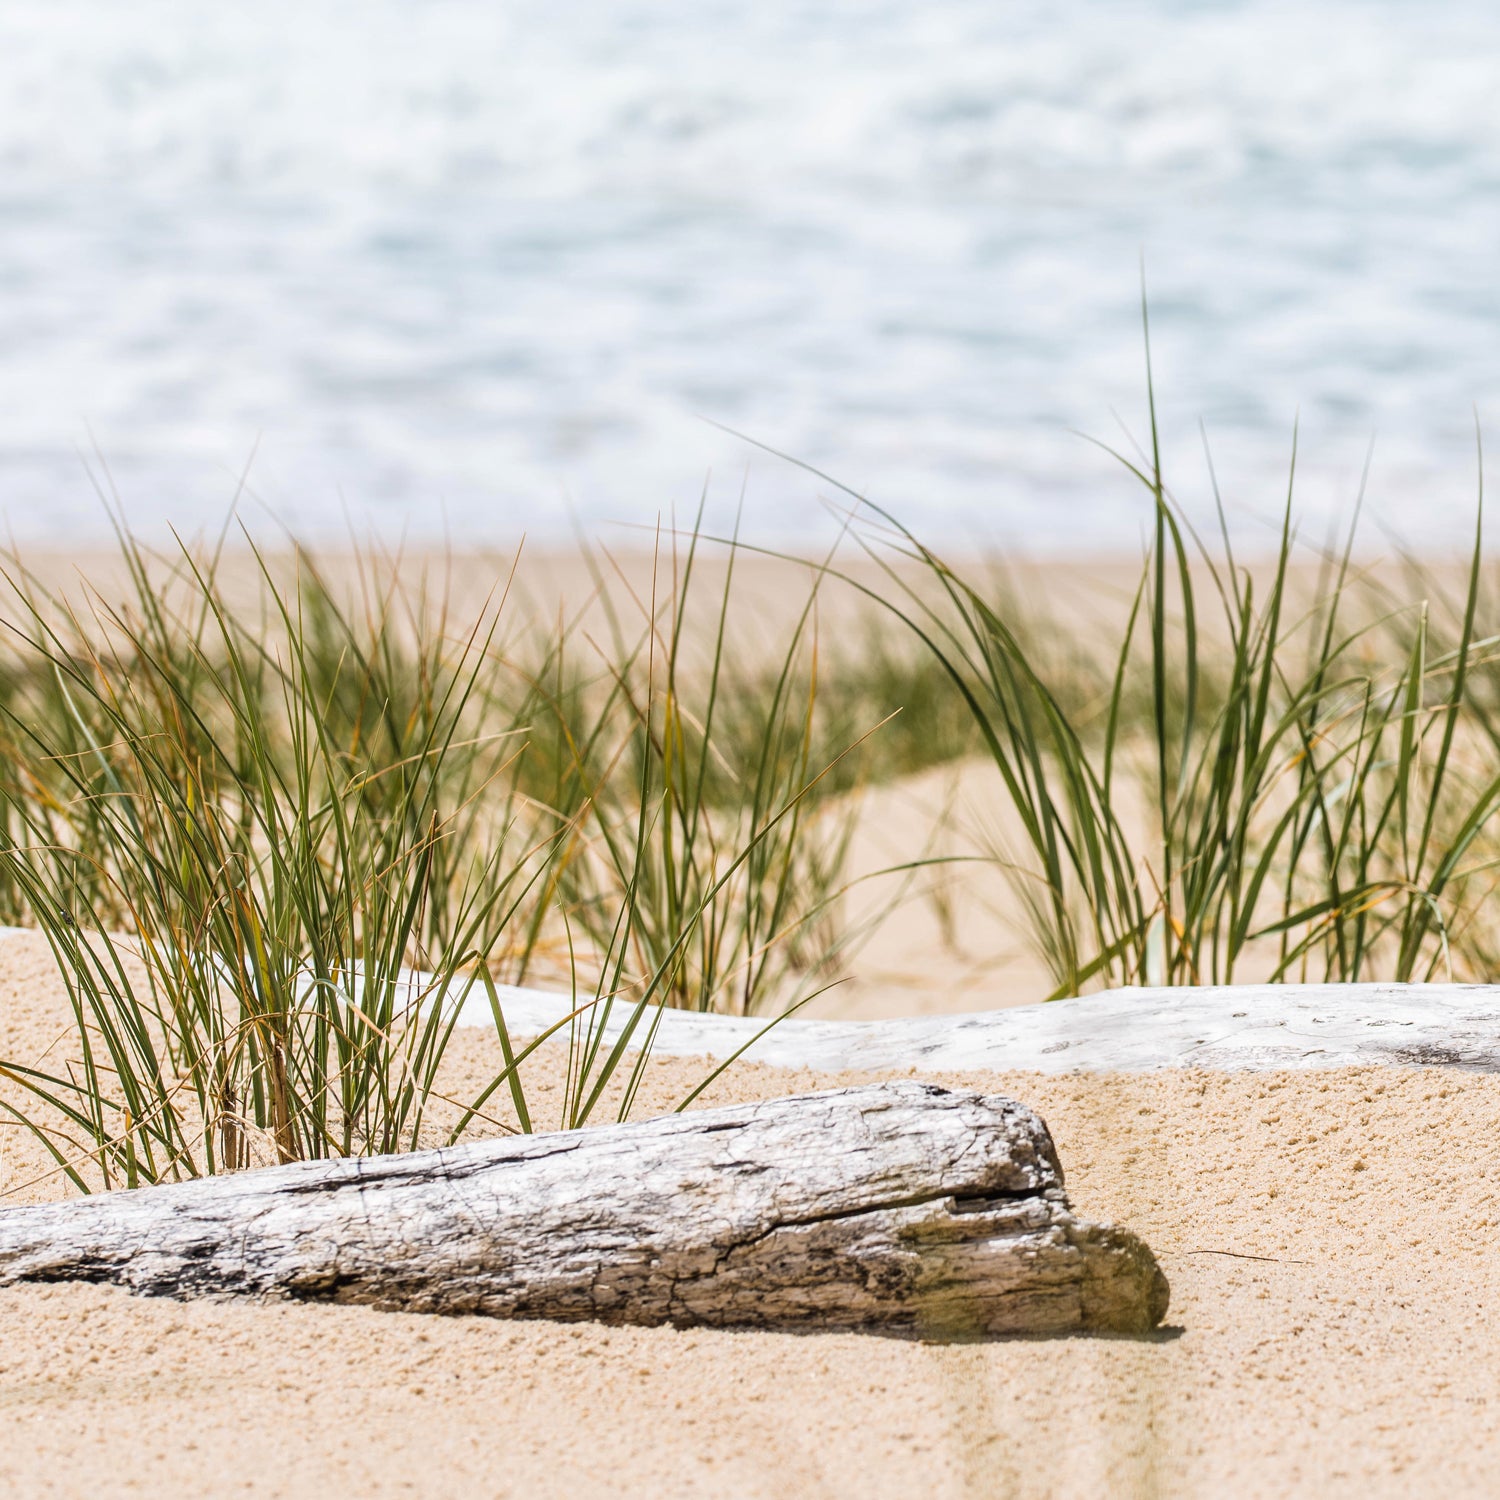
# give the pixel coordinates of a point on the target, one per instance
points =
(466, 268)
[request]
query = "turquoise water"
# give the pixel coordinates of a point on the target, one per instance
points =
(484, 267)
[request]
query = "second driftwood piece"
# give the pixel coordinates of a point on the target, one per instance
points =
(897, 1207)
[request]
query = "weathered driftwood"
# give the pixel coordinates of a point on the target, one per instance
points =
(1254, 1026)
(898, 1207)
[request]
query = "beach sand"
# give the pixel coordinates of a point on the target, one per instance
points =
(1329, 1238)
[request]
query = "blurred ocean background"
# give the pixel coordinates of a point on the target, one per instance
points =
(464, 268)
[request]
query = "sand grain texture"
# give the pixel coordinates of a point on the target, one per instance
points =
(1357, 1355)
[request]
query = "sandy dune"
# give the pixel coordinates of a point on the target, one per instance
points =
(1329, 1239)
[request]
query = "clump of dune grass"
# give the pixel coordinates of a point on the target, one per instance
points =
(249, 839)
(277, 847)
(1271, 786)
(709, 840)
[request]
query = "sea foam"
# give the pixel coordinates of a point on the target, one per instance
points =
(484, 266)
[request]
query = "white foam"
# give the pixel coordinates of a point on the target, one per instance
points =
(492, 260)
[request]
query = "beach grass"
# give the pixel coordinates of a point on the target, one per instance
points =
(275, 847)
(279, 834)
(1261, 780)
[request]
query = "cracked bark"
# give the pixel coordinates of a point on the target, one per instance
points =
(897, 1207)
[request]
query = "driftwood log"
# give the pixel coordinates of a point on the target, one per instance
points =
(897, 1207)
(1258, 1027)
